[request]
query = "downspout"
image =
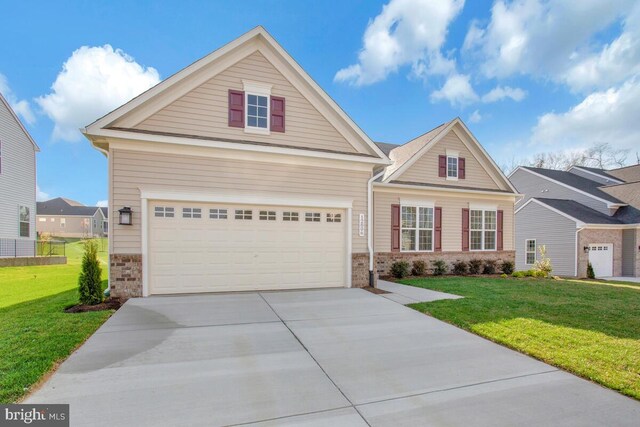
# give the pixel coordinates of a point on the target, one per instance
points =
(370, 224)
(575, 271)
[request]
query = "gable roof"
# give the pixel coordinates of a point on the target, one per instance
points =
(407, 154)
(200, 71)
(15, 117)
(584, 215)
(596, 171)
(386, 148)
(105, 211)
(64, 207)
(577, 182)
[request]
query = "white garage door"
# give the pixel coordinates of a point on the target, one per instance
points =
(601, 258)
(198, 247)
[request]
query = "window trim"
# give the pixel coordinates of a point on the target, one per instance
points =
(457, 159)
(483, 230)
(527, 251)
(257, 89)
(417, 228)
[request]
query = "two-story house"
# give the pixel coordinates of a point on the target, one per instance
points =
(581, 215)
(240, 173)
(63, 217)
(17, 185)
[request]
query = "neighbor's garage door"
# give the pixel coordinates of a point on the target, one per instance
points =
(198, 247)
(601, 258)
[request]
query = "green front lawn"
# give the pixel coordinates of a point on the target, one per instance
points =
(589, 328)
(35, 333)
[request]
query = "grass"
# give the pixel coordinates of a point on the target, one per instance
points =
(35, 333)
(589, 328)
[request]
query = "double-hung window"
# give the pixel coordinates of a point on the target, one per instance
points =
(530, 251)
(417, 228)
(257, 111)
(25, 221)
(452, 167)
(482, 230)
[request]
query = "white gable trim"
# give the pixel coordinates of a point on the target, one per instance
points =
(544, 205)
(15, 117)
(158, 96)
(606, 202)
(596, 174)
(492, 169)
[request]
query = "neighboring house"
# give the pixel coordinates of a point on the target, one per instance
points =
(17, 185)
(241, 173)
(581, 215)
(62, 217)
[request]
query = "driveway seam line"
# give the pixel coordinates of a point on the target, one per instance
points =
(291, 416)
(314, 359)
(187, 327)
(460, 387)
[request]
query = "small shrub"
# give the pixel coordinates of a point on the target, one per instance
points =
(489, 266)
(475, 265)
(439, 267)
(504, 276)
(460, 268)
(90, 281)
(419, 268)
(507, 267)
(518, 274)
(540, 273)
(400, 269)
(590, 273)
(530, 273)
(544, 263)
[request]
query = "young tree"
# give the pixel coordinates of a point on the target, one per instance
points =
(90, 280)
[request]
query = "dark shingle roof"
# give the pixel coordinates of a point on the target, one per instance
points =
(575, 181)
(105, 211)
(386, 147)
(628, 215)
(60, 206)
(579, 211)
(600, 172)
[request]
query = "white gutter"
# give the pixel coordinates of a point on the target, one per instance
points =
(369, 223)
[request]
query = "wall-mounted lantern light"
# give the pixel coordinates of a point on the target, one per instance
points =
(126, 215)
(586, 248)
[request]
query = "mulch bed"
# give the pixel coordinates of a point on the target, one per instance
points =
(375, 290)
(109, 304)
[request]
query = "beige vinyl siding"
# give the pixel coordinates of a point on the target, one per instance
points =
(425, 169)
(204, 111)
(551, 229)
(165, 172)
(17, 177)
(451, 218)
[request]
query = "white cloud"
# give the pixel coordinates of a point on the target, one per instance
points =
(541, 37)
(501, 92)
(93, 81)
(406, 32)
(605, 116)
(21, 107)
(475, 117)
(41, 196)
(457, 90)
(102, 203)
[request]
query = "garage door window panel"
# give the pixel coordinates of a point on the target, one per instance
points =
(217, 213)
(334, 217)
(267, 215)
(290, 216)
(312, 217)
(164, 212)
(194, 213)
(244, 214)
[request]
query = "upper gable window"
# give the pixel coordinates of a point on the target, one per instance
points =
(452, 167)
(257, 111)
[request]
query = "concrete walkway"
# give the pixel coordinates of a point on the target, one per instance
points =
(404, 294)
(623, 279)
(338, 357)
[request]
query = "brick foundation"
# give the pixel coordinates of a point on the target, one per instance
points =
(383, 260)
(360, 270)
(125, 275)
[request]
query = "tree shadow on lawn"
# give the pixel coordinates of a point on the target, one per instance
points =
(614, 311)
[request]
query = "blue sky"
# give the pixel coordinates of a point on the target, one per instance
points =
(526, 76)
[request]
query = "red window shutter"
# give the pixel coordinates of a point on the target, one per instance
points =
(395, 228)
(437, 230)
(465, 229)
(442, 166)
(236, 108)
(499, 243)
(461, 168)
(277, 114)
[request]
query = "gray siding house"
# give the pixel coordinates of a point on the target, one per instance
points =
(583, 215)
(17, 185)
(62, 217)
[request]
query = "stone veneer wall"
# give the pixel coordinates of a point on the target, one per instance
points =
(383, 260)
(360, 270)
(592, 236)
(125, 275)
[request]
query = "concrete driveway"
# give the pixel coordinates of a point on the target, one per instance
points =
(321, 357)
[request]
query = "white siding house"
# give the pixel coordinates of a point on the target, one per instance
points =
(17, 185)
